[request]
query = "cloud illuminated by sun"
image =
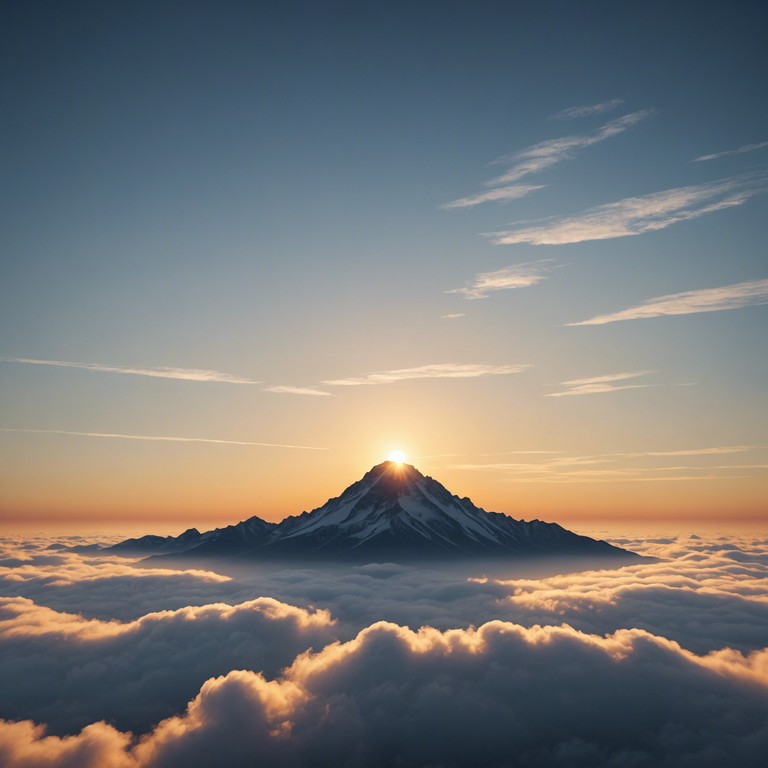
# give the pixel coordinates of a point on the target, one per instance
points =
(398, 457)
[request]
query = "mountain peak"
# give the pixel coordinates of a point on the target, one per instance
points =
(387, 486)
(393, 473)
(392, 513)
(395, 467)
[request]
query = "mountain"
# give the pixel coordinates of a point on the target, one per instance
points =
(393, 513)
(234, 538)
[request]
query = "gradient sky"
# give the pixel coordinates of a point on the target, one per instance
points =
(522, 242)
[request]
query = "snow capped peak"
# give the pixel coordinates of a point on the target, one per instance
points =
(389, 479)
(393, 512)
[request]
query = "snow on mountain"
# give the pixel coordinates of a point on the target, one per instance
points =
(393, 513)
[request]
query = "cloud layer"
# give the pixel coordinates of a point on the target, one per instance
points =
(463, 697)
(658, 663)
(150, 660)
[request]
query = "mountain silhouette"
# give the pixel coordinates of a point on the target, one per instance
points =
(393, 513)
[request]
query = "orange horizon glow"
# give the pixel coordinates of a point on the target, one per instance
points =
(212, 497)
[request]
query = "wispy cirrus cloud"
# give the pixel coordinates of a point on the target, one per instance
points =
(736, 296)
(158, 438)
(545, 154)
(436, 371)
(540, 157)
(717, 450)
(516, 453)
(453, 315)
(516, 276)
(596, 385)
(637, 215)
(633, 476)
(587, 110)
(620, 467)
(184, 374)
(498, 195)
(739, 151)
(285, 389)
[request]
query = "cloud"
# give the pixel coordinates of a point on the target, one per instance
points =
(663, 597)
(696, 451)
(288, 390)
(588, 110)
(637, 215)
(159, 438)
(540, 157)
(544, 155)
(736, 296)
(630, 476)
(567, 665)
(436, 371)
(740, 151)
(26, 745)
(453, 315)
(157, 662)
(510, 453)
(600, 384)
(447, 597)
(107, 588)
(498, 195)
(516, 276)
(571, 469)
(184, 374)
(547, 695)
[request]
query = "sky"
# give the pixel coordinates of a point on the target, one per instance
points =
(248, 250)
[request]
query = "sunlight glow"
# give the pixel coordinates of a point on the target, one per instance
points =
(398, 457)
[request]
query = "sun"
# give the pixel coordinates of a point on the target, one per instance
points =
(397, 457)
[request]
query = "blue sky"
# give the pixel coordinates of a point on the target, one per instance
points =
(476, 203)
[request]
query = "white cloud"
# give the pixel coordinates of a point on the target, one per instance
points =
(696, 451)
(150, 659)
(558, 666)
(514, 453)
(289, 390)
(540, 157)
(637, 215)
(184, 374)
(453, 315)
(553, 695)
(436, 371)
(625, 476)
(600, 384)
(617, 467)
(500, 194)
(736, 296)
(516, 276)
(587, 110)
(739, 151)
(544, 155)
(158, 438)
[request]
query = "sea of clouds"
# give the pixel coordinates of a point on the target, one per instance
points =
(106, 662)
